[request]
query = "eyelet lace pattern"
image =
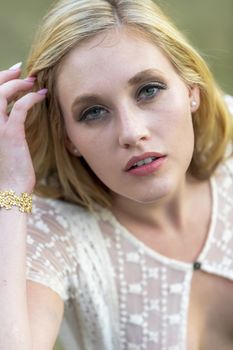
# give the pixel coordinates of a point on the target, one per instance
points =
(119, 293)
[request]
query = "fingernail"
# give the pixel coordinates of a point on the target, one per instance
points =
(30, 79)
(16, 66)
(42, 91)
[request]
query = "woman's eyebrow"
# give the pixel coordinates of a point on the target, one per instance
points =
(138, 78)
(85, 99)
(145, 74)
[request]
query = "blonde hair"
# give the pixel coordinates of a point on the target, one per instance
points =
(68, 23)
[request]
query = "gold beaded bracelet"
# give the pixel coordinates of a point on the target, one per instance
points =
(8, 199)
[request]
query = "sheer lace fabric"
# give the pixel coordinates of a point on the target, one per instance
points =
(119, 293)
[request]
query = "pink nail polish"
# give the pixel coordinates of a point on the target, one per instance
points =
(30, 79)
(42, 91)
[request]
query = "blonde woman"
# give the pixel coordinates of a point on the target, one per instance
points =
(128, 154)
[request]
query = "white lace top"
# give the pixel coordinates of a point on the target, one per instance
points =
(119, 294)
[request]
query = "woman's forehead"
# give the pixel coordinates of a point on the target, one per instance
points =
(113, 49)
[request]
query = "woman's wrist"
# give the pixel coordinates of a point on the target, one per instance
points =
(18, 188)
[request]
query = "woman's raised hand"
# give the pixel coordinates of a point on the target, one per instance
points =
(16, 169)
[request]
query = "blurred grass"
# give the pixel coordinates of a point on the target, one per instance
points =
(207, 23)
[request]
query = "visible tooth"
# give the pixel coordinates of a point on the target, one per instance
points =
(148, 160)
(141, 162)
(144, 161)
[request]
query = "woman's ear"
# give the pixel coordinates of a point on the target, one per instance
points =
(71, 148)
(194, 96)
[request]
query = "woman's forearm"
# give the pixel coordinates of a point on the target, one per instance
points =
(16, 173)
(14, 320)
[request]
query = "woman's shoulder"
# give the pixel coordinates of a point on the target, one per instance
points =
(225, 168)
(59, 215)
(229, 102)
(224, 175)
(57, 206)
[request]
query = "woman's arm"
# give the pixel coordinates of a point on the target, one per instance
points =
(30, 313)
(14, 320)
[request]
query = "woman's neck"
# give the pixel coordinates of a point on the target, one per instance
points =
(172, 214)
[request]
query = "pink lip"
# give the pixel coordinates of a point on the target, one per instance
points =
(136, 159)
(147, 169)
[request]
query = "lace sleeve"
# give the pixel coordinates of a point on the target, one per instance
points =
(50, 247)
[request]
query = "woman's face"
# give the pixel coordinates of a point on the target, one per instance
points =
(121, 98)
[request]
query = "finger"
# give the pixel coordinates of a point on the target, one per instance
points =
(11, 73)
(23, 105)
(12, 88)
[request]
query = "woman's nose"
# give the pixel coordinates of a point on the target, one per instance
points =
(132, 130)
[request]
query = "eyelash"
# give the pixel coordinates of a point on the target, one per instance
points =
(158, 86)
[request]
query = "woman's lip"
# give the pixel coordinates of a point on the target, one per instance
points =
(143, 156)
(147, 169)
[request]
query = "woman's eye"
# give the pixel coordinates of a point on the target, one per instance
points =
(92, 113)
(151, 90)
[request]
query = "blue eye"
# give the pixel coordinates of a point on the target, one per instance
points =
(92, 113)
(151, 90)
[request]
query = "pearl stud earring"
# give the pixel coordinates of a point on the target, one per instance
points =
(75, 151)
(193, 103)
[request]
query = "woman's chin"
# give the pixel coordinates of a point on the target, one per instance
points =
(155, 194)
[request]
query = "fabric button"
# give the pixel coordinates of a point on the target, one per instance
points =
(196, 265)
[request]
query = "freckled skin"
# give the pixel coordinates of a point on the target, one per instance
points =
(128, 127)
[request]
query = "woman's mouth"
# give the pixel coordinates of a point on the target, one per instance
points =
(145, 164)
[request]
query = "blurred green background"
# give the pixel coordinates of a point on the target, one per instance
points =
(207, 23)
